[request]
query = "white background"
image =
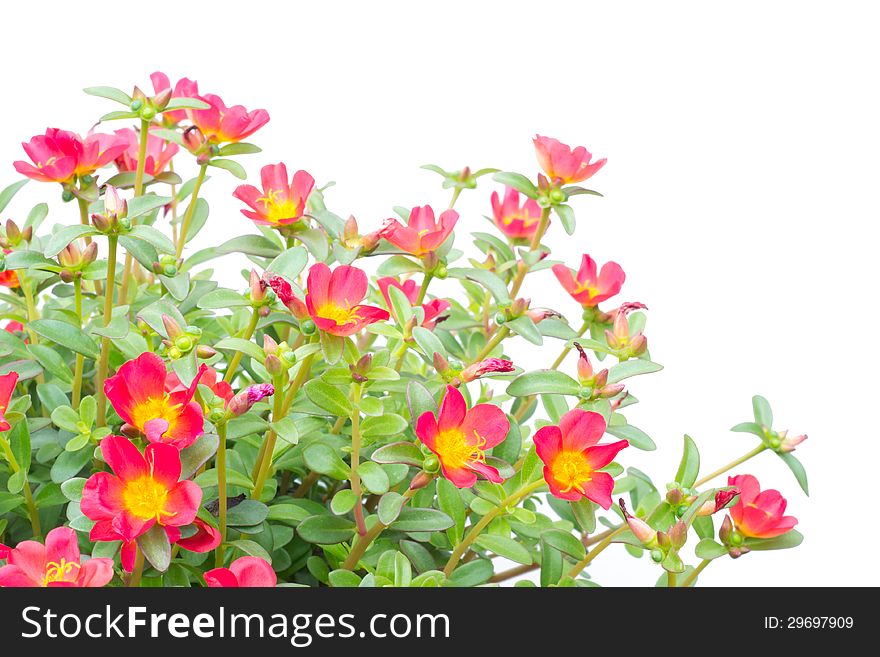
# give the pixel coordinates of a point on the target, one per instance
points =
(740, 193)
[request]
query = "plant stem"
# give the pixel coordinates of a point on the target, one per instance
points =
(307, 482)
(33, 312)
(494, 342)
(190, 210)
(355, 478)
(595, 552)
(455, 193)
(173, 207)
(33, 513)
(138, 191)
(423, 290)
(221, 493)
(565, 350)
(134, 579)
(732, 464)
(483, 522)
(80, 359)
(533, 246)
(690, 579)
(84, 220)
(364, 541)
(104, 361)
(248, 334)
(671, 579)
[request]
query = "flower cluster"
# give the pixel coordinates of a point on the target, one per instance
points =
(353, 411)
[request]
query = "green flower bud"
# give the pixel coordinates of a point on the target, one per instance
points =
(174, 353)
(557, 196)
(136, 105)
(148, 113)
(67, 196)
(307, 326)
(194, 331)
(656, 556)
(184, 343)
(736, 538)
(216, 415)
(500, 318)
(289, 357)
(431, 463)
(169, 270)
(441, 272)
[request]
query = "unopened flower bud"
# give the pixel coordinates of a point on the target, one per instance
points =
(788, 444)
(258, 287)
(269, 344)
(307, 327)
(584, 368)
(501, 317)
(640, 528)
(350, 230)
(678, 534)
(638, 344)
(90, 254)
(13, 234)
(172, 328)
(161, 99)
(725, 530)
(66, 275)
(431, 463)
(70, 255)
(421, 480)
(193, 139)
(114, 206)
(519, 307)
(273, 365)
(244, 401)
(441, 365)
(485, 367)
(100, 222)
(538, 315)
(609, 391)
(129, 430)
(205, 352)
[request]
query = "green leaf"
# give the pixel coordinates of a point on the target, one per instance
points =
(247, 514)
(52, 362)
(231, 166)
(709, 549)
(16, 481)
(526, 328)
(244, 346)
(185, 103)
(518, 181)
(36, 216)
(545, 382)
(566, 217)
(343, 502)
(450, 502)
(177, 286)
(8, 192)
(422, 520)
(343, 579)
(156, 548)
(252, 549)
(66, 335)
(332, 346)
(419, 400)
(565, 543)
(762, 410)
(630, 368)
(328, 397)
(789, 539)
(389, 507)
(505, 547)
(141, 205)
(689, 468)
(239, 148)
(374, 478)
(749, 427)
(68, 464)
(152, 237)
(110, 93)
(473, 573)
(20, 442)
(492, 282)
(325, 530)
(322, 458)
(290, 263)
(73, 488)
(428, 342)
(222, 298)
(551, 565)
(386, 425)
(255, 245)
(401, 452)
(65, 236)
(797, 469)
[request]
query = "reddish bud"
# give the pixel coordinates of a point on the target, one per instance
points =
(789, 444)
(161, 99)
(269, 344)
(640, 528)
(421, 480)
(204, 352)
(484, 367)
(172, 328)
(258, 287)
(244, 401)
(538, 315)
(193, 139)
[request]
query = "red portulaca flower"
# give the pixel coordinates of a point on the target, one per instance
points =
(759, 514)
(185, 88)
(564, 164)
(8, 277)
(460, 437)
(7, 386)
(138, 394)
(282, 201)
(422, 234)
(244, 572)
(221, 124)
(144, 490)
(208, 378)
(573, 459)
(333, 298)
(159, 152)
(433, 308)
(518, 222)
(55, 564)
(589, 287)
(59, 155)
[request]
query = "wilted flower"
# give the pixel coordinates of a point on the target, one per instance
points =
(484, 367)
(244, 401)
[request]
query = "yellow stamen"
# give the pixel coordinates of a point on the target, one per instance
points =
(339, 314)
(61, 572)
(277, 210)
(145, 498)
(154, 409)
(571, 470)
(456, 452)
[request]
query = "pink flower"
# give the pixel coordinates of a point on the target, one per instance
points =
(460, 437)
(280, 203)
(333, 300)
(588, 287)
(159, 152)
(433, 308)
(422, 234)
(244, 401)
(518, 222)
(221, 124)
(759, 514)
(208, 378)
(55, 564)
(252, 572)
(484, 367)
(563, 164)
(7, 387)
(573, 460)
(185, 88)
(145, 490)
